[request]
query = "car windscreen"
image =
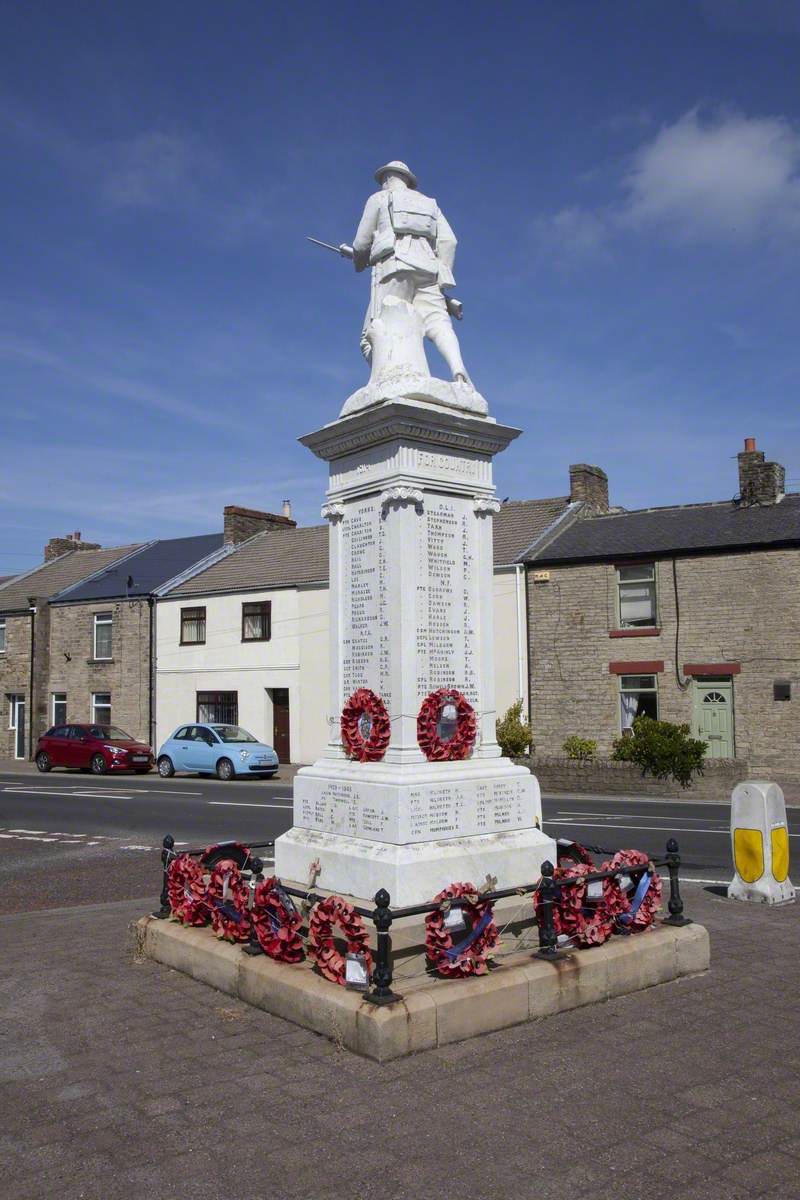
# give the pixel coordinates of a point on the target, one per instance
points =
(110, 733)
(232, 733)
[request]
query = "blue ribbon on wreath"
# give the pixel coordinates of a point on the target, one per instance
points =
(227, 910)
(642, 889)
(456, 951)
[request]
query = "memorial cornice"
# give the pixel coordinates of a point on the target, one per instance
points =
(406, 421)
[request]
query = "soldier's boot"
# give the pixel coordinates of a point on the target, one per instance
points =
(446, 342)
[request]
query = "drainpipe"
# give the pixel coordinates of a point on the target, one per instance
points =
(151, 656)
(521, 582)
(32, 603)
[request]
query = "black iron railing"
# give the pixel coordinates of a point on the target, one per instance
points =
(382, 915)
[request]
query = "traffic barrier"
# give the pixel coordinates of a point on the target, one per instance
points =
(760, 844)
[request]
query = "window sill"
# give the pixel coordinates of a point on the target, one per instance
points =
(644, 631)
(192, 643)
(100, 662)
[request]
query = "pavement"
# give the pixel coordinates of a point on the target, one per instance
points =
(122, 1079)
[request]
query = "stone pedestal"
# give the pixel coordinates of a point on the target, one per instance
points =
(410, 504)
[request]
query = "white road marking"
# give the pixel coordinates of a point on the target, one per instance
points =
(134, 847)
(650, 828)
(27, 831)
(634, 817)
(239, 804)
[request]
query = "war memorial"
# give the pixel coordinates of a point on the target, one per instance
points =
(416, 899)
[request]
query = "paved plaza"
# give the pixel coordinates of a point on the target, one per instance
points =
(121, 1078)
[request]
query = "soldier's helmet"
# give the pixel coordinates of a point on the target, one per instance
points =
(396, 167)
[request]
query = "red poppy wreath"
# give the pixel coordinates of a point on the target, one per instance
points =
(366, 729)
(469, 956)
(329, 912)
(186, 891)
(430, 742)
(277, 922)
(227, 898)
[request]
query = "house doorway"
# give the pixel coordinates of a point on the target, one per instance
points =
(280, 723)
(17, 723)
(713, 716)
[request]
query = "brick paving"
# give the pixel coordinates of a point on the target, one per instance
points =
(125, 1079)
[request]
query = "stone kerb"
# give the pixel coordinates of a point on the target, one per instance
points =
(432, 1013)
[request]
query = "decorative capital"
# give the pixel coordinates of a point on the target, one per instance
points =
(332, 512)
(402, 495)
(484, 505)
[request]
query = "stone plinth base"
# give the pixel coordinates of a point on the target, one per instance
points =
(432, 1012)
(414, 873)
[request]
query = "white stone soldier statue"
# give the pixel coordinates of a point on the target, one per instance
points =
(406, 239)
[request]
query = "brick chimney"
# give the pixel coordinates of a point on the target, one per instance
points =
(759, 482)
(589, 484)
(62, 545)
(243, 523)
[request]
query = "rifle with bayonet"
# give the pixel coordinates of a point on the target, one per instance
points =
(454, 307)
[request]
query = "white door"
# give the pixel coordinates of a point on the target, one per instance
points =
(17, 723)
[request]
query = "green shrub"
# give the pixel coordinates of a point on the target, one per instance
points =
(583, 749)
(663, 750)
(514, 734)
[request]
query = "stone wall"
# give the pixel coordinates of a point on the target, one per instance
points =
(14, 676)
(734, 608)
(74, 670)
(608, 778)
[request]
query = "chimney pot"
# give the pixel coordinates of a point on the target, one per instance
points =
(287, 508)
(749, 445)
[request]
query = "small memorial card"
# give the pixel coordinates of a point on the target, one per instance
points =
(594, 890)
(625, 882)
(355, 972)
(454, 919)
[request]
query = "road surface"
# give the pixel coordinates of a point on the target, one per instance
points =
(67, 838)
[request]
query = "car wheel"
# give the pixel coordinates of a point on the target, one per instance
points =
(225, 769)
(98, 765)
(43, 761)
(165, 767)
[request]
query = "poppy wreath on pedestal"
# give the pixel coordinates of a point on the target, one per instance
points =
(365, 703)
(572, 852)
(227, 899)
(635, 908)
(276, 922)
(461, 743)
(469, 956)
(186, 891)
(324, 916)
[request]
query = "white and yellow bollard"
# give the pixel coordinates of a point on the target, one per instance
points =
(760, 842)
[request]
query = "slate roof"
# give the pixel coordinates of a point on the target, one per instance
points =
(154, 564)
(293, 557)
(689, 528)
(52, 577)
(521, 522)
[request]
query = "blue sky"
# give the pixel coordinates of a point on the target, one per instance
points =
(624, 180)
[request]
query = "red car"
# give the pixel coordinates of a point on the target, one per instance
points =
(95, 748)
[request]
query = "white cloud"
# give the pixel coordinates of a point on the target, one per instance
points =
(572, 235)
(727, 176)
(157, 170)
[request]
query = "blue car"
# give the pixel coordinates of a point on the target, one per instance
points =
(224, 750)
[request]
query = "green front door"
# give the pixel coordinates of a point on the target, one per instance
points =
(713, 717)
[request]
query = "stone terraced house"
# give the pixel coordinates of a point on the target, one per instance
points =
(25, 636)
(688, 613)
